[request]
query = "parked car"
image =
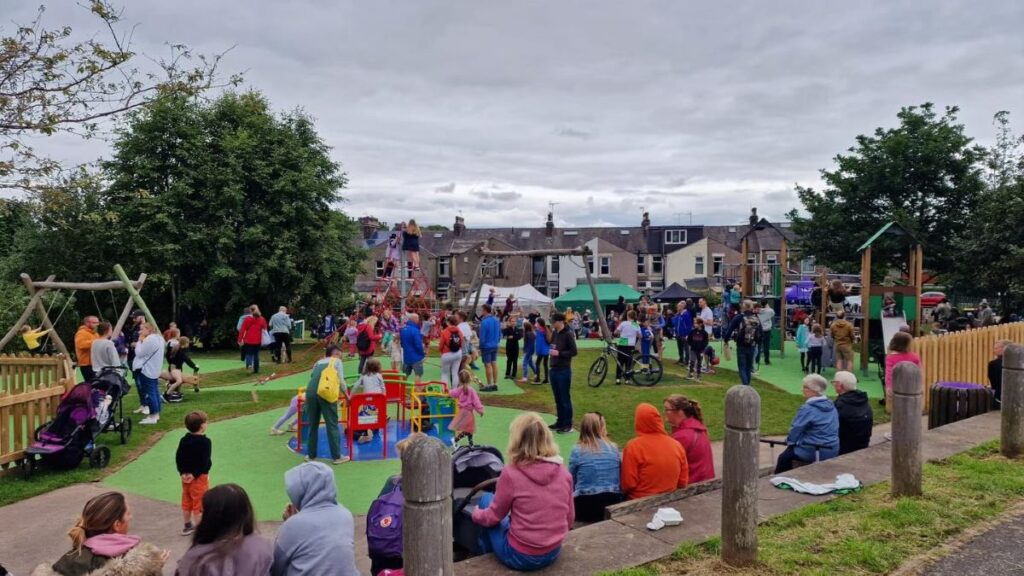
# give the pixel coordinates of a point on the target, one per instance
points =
(931, 299)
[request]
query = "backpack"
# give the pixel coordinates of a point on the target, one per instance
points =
(363, 340)
(329, 386)
(455, 340)
(384, 525)
(751, 327)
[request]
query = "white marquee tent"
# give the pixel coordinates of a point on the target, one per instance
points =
(527, 299)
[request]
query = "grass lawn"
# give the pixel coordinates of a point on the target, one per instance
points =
(870, 532)
(617, 403)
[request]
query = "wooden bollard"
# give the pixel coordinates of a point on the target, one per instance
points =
(740, 465)
(427, 514)
(906, 429)
(1011, 438)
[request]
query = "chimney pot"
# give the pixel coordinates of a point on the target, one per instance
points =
(549, 226)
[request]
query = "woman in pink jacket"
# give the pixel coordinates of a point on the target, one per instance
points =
(899, 351)
(531, 510)
(688, 429)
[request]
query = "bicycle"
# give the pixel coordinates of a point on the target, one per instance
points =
(643, 373)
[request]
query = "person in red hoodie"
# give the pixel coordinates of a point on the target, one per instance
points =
(451, 352)
(653, 462)
(687, 422)
(250, 337)
(531, 509)
(367, 345)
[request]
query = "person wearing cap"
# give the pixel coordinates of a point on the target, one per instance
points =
(563, 349)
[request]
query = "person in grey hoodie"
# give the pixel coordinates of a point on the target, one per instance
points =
(317, 535)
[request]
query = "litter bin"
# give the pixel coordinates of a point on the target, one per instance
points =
(954, 401)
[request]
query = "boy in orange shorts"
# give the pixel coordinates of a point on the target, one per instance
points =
(193, 460)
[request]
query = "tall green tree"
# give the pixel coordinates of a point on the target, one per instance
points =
(926, 174)
(992, 258)
(226, 204)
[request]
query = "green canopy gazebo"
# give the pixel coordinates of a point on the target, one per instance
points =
(580, 297)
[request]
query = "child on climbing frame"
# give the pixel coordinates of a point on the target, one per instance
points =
(371, 381)
(393, 255)
(464, 424)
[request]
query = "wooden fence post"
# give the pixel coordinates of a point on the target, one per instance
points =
(740, 467)
(906, 430)
(1011, 439)
(427, 514)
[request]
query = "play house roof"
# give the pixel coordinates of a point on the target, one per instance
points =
(893, 229)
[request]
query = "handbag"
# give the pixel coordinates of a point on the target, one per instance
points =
(265, 338)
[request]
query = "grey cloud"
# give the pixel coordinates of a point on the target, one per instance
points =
(445, 189)
(743, 98)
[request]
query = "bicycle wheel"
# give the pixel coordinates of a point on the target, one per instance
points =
(646, 374)
(598, 370)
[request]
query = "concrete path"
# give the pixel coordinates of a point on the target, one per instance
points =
(996, 551)
(625, 542)
(34, 531)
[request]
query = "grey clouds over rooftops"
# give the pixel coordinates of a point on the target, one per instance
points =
(606, 108)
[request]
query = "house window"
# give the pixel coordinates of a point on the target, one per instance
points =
(499, 269)
(554, 265)
(698, 266)
(807, 266)
(675, 236)
(717, 263)
(751, 258)
(442, 293)
(606, 266)
(590, 264)
(641, 264)
(443, 267)
(380, 269)
(656, 266)
(771, 258)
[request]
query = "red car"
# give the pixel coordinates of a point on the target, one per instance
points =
(931, 299)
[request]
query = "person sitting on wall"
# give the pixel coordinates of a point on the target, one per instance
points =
(814, 433)
(855, 415)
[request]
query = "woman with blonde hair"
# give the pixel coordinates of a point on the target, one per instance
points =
(595, 467)
(411, 242)
(250, 337)
(531, 510)
(687, 421)
(100, 544)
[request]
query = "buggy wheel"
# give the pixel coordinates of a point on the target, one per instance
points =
(27, 466)
(647, 374)
(100, 457)
(126, 429)
(598, 370)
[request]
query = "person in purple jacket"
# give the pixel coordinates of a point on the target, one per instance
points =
(531, 510)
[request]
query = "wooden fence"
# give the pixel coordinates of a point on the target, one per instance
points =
(30, 389)
(962, 356)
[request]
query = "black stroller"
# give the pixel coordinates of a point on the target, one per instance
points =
(109, 389)
(475, 470)
(64, 441)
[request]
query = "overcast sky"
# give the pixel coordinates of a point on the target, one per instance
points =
(607, 108)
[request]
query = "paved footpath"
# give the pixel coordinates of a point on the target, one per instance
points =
(35, 530)
(624, 541)
(996, 551)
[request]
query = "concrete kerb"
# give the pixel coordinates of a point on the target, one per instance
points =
(702, 512)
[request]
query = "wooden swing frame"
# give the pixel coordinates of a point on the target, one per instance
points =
(37, 289)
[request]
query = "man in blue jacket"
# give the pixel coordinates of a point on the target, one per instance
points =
(490, 338)
(814, 433)
(412, 347)
(682, 325)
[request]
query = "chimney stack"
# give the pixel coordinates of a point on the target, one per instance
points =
(460, 226)
(369, 225)
(646, 222)
(753, 218)
(549, 226)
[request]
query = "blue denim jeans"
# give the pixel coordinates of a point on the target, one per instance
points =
(561, 378)
(745, 363)
(528, 365)
(151, 388)
(495, 539)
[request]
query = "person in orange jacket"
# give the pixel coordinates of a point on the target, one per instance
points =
(653, 462)
(84, 338)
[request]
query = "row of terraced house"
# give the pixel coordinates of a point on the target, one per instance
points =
(647, 257)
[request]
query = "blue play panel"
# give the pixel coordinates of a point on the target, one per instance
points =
(373, 450)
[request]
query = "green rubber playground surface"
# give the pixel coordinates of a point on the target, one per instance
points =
(244, 452)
